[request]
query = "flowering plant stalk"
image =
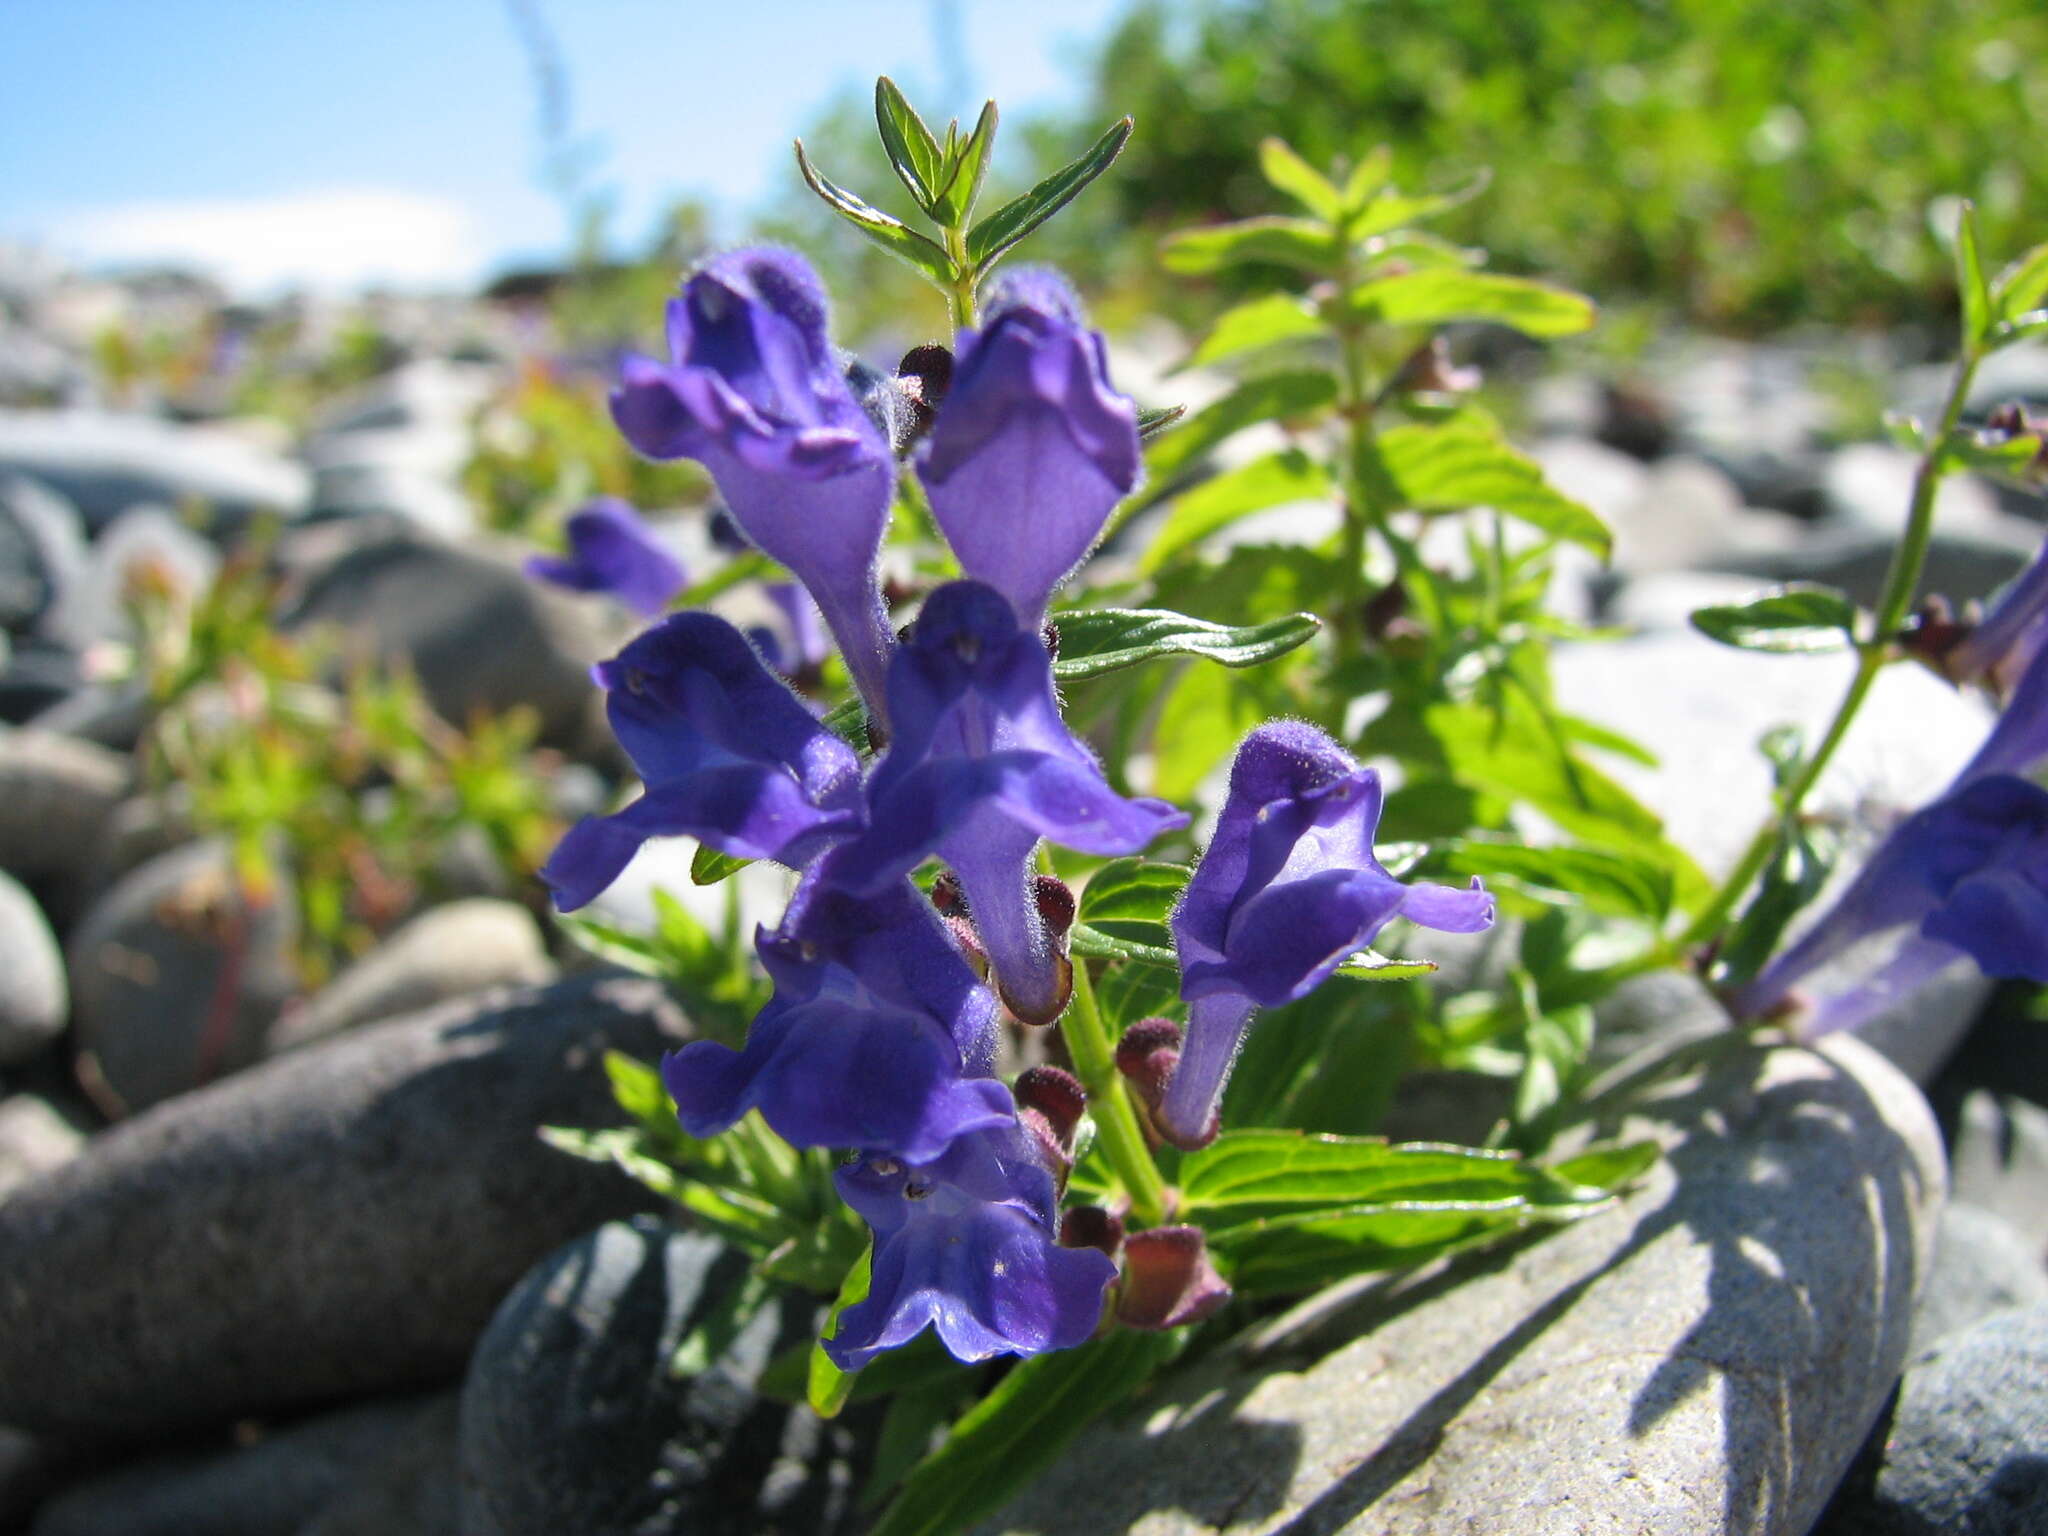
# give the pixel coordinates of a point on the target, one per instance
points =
(1034, 1072)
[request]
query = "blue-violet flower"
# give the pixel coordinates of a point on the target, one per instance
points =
(728, 754)
(1031, 448)
(611, 550)
(879, 1035)
(1287, 891)
(966, 1243)
(754, 392)
(979, 768)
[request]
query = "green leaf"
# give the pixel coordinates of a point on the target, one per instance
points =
(637, 1088)
(892, 235)
(1289, 173)
(708, 866)
(1098, 640)
(1608, 1167)
(1798, 618)
(1128, 900)
(1970, 284)
(827, 1387)
(1086, 943)
(1019, 1429)
(1391, 209)
(1257, 323)
(1274, 1170)
(1368, 179)
(1611, 883)
(1443, 294)
(912, 150)
(969, 171)
(1299, 243)
(1367, 966)
(1465, 462)
(994, 235)
(2011, 458)
(1270, 397)
(1274, 480)
(608, 942)
(1157, 421)
(848, 720)
(2022, 287)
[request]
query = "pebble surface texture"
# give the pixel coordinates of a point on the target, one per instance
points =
(1704, 1359)
(572, 1420)
(339, 1221)
(33, 999)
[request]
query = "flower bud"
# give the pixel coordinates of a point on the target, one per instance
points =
(1168, 1279)
(1050, 1103)
(1090, 1226)
(1147, 1055)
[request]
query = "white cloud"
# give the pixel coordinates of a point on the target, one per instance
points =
(338, 239)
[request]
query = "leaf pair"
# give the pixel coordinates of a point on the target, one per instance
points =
(945, 178)
(2013, 307)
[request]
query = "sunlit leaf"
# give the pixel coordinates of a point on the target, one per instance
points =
(909, 144)
(892, 235)
(1257, 323)
(1291, 174)
(1299, 243)
(1270, 397)
(1274, 480)
(1098, 640)
(1440, 295)
(1798, 618)
(994, 235)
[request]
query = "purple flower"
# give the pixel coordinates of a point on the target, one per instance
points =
(727, 753)
(878, 1036)
(1969, 876)
(611, 550)
(800, 646)
(966, 1243)
(1031, 448)
(1287, 891)
(755, 393)
(980, 767)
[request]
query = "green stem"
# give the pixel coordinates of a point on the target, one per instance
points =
(1116, 1122)
(959, 297)
(1360, 511)
(1901, 582)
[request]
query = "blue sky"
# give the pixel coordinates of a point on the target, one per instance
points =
(335, 141)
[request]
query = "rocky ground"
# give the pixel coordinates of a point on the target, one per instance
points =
(322, 1277)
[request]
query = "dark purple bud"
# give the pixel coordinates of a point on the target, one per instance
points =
(1055, 900)
(924, 376)
(1168, 1279)
(1054, 1095)
(1090, 1226)
(1147, 1055)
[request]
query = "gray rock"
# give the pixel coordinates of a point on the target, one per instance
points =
(107, 463)
(1701, 708)
(144, 545)
(1982, 1265)
(1870, 486)
(479, 634)
(411, 1491)
(339, 1221)
(1999, 1158)
(573, 1421)
(33, 678)
(34, 1138)
(1967, 1454)
(42, 553)
(141, 828)
(177, 973)
(1960, 564)
(445, 952)
(33, 1001)
(55, 796)
(1706, 1358)
(272, 1488)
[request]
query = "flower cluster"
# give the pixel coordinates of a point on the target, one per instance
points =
(881, 1036)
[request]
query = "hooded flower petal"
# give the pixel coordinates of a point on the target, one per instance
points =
(1031, 448)
(755, 393)
(1288, 890)
(2004, 643)
(1969, 874)
(728, 755)
(878, 1035)
(611, 550)
(980, 767)
(966, 1244)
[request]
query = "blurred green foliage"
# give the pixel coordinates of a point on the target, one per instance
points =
(1746, 163)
